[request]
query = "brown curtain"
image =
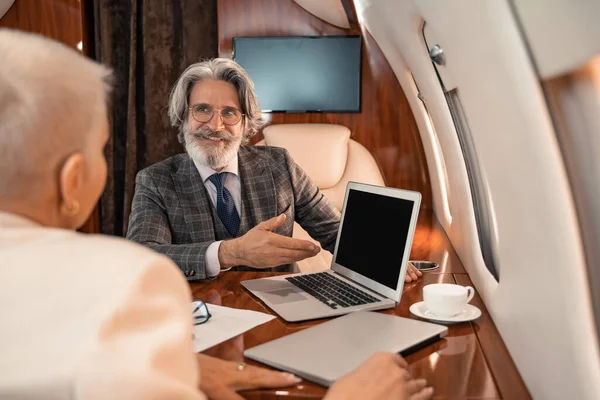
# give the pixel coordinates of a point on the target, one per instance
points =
(148, 44)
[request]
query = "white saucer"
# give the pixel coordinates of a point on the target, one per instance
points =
(469, 313)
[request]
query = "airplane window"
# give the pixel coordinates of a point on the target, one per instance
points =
(482, 204)
(481, 199)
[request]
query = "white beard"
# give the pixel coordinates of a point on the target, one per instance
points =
(214, 158)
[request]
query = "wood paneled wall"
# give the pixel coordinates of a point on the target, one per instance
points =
(385, 126)
(56, 19)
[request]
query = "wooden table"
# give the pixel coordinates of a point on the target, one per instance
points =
(471, 362)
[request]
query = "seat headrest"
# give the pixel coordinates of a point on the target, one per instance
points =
(321, 150)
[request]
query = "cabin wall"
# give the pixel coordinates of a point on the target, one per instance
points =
(385, 126)
(541, 303)
(58, 19)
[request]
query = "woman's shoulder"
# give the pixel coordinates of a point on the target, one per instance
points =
(109, 253)
(110, 261)
(121, 246)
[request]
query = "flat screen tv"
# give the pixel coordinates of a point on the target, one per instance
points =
(303, 73)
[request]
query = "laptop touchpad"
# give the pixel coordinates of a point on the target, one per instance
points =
(286, 295)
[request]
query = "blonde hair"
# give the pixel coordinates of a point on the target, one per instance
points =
(51, 97)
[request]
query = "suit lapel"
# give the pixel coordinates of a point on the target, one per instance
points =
(194, 201)
(258, 190)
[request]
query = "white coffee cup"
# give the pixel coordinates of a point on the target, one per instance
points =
(446, 299)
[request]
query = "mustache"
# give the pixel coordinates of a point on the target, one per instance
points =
(205, 133)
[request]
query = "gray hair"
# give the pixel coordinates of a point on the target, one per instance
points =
(51, 97)
(221, 69)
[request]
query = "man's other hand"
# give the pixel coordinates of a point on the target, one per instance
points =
(261, 248)
(412, 274)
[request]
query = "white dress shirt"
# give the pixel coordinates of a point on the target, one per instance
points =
(233, 184)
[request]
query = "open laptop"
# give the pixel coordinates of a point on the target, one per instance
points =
(369, 261)
(325, 352)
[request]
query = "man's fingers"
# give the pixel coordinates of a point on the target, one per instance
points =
(415, 385)
(218, 391)
(423, 394)
(294, 244)
(418, 390)
(273, 223)
(274, 379)
(290, 256)
(256, 377)
(386, 358)
(415, 270)
(412, 272)
(279, 256)
(399, 361)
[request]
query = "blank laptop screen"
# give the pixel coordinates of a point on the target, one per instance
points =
(374, 234)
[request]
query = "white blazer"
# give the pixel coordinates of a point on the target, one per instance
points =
(91, 317)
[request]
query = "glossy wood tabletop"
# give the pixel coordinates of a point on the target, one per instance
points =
(431, 243)
(470, 362)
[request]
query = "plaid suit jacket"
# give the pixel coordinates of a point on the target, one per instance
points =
(172, 213)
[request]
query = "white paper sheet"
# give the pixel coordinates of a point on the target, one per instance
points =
(225, 323)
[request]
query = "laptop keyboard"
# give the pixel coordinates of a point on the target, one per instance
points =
(332, 291)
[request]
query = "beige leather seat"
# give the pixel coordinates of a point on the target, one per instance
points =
(331, 159)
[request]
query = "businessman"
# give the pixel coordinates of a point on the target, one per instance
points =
(223, 205)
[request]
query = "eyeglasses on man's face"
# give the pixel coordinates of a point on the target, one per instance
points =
(203, 113)
(200, 313)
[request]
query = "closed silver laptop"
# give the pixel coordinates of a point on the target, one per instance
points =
(326, 352)
(369, 261)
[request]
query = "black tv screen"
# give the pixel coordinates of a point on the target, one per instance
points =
(303, 74)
